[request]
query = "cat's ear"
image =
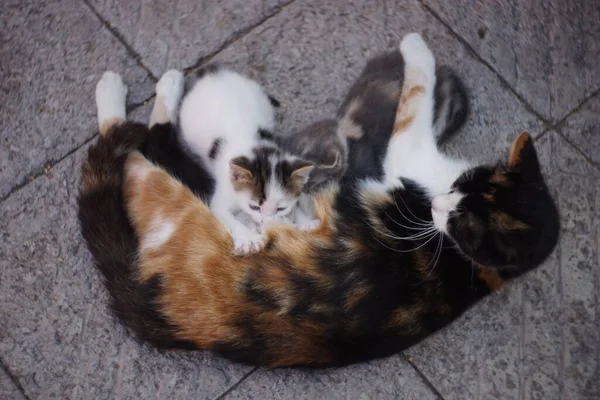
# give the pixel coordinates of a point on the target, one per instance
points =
(301, 171)
(523, 157)
(239, 170)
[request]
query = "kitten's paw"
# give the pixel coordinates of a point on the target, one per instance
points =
(248, 243)
(111, 93)
(416, 52)
(309, 225)
(170, 89)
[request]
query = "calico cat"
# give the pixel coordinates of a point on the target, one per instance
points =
(227, 119)
(385, 269)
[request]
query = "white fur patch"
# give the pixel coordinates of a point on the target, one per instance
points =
(111, 95)
(170, 89)
(413, 154)
(441, 207)
(159, 232)
(138, 167)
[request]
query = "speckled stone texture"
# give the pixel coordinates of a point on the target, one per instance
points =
(528, 67)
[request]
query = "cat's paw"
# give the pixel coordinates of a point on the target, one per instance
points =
(170, 89)
(111, 94)
(309, 225)
(416, 53)
(248, 242)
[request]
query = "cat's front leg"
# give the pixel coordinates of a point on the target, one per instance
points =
(245, 240)
(303, 215)
(413, 141)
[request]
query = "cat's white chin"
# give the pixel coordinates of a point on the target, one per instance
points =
(440, 220)
(441, 207)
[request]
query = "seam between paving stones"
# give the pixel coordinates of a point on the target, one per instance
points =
(134, 54)
(235, 37)
(14, 380)
(476, 55)
(49, 164)
(423, 377)
(238, 383)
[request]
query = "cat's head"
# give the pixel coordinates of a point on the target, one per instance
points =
(502, 215)
(268, 183)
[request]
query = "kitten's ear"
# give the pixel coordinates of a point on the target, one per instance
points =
(522, 156)
(301, 171)
(239, 170)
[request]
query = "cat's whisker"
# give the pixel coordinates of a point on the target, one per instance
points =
(435, 258)
(433, 235)
(420, 220)
(415, 228)
(419, 235)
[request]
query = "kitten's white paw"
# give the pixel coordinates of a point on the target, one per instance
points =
(248, 242)
(309, 225)
(416, 52)
(111, 94)
(170, 89)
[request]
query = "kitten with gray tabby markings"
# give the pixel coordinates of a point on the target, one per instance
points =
(353, 146)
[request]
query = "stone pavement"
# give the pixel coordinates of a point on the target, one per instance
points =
(530, 65)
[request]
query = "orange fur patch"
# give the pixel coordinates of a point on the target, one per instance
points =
(491, 278)
(505, 222)
(108, 124)
(516, 148)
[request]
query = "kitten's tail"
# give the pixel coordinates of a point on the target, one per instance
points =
(110, 238)
(451, 104)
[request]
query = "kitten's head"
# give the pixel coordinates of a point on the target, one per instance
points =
(268, 183)
(501, 215)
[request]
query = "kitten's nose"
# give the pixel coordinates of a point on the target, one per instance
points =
(435, 204)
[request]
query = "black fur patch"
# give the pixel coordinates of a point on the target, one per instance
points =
(215, 149)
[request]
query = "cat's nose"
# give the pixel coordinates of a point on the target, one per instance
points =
(435, 204)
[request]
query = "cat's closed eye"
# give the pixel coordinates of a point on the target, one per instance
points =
(254, 207)
(279, 209)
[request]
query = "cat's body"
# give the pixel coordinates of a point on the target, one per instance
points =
(375, 278)
(227, 119)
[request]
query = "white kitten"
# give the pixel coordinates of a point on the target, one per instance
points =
(227, 119)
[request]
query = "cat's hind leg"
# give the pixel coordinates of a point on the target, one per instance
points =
(169, 90)
(111, 94)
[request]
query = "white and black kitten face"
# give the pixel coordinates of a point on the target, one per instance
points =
(268, 183)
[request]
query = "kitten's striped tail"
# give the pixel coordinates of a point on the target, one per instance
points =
(451, 104)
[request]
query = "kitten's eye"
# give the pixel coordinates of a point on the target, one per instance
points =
(491, 190)
(253, 207)
(280, 209)
(452, 191)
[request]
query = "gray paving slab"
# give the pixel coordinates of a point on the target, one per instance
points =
(547, 50)
(392, 378)
(176, 34)
(58, 336)
(309, 54)
(52, 55)
(539, 338)
(583, 130)
(8, 389)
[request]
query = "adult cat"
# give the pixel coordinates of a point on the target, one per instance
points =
(375, 278)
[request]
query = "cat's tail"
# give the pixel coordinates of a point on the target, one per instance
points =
(110, 238)
(451, 104)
